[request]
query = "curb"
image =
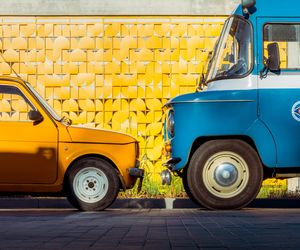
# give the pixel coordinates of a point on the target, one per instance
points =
(166, 203)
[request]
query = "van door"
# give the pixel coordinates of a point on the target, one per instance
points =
(279, 92)
(28, 150)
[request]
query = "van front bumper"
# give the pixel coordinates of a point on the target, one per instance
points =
(166, 175)
(170, 164)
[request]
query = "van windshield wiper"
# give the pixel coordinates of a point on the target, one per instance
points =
(202, 83)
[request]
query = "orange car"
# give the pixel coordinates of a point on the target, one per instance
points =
(42, 153)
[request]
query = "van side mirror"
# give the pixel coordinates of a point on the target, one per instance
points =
(248, 3)
(273, 61)
(248, 7)
(35, 116)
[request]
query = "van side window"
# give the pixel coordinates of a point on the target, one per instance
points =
(288, 38)
(13, 104)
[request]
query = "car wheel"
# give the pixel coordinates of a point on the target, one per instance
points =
(225, 174)
(92, 184)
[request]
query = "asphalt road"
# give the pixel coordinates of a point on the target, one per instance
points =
(150, 229)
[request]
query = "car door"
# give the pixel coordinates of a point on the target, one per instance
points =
(28, 150)
(279, 92)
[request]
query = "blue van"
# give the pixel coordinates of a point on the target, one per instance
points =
(242, 125)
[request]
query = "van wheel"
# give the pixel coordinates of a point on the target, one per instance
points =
(187, 189)
(225, 174)
(92, 184)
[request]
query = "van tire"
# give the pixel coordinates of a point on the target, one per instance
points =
(187, 189)
(92, 184)
(225, 174)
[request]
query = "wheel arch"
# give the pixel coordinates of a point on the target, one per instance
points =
(99, 156)
(201, 140)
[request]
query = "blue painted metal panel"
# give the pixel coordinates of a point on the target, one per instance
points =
(276, 112)
(264, 142)
(212, 113)
(274, 8)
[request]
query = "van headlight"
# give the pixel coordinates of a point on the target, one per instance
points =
(170, 123)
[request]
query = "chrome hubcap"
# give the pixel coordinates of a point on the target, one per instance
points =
(226, 174)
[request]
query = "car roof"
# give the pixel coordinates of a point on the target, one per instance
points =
(4, 79)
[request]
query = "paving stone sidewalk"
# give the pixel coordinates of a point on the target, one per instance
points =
(150, 229)
(168, 203)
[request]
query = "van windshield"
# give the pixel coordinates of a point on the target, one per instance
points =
(232, 56)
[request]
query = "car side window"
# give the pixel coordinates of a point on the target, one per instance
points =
(287, 36)
(14, 106)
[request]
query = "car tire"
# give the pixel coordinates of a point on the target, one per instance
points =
(92, 184)
(225, 174)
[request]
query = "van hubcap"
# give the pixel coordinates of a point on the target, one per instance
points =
(90, 184)
(225, 174)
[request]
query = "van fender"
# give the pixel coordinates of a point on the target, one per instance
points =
(264, 142)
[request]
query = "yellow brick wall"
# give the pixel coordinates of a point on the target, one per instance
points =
(111, 72)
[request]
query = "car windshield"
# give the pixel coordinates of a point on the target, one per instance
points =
(232, 56)
(44, 103)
